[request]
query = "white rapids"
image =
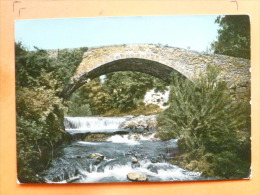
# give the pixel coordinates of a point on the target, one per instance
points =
(123, 153)
(75, 125)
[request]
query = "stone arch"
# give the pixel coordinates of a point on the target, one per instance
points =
(150, 67)
(158, 61)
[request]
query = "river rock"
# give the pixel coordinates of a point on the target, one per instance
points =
(134, 136)
(140, 122)
(74, 179)
(96, 156)
(136, 177)
(155, 139)
(134, 159)
(152, 168)
(96, 137)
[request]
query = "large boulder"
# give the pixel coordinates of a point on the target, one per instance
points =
(96, 137)
(96, 156)
(140, 122)
(136, 177)
(134, 159)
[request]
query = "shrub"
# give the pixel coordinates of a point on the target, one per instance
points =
(39, 129)
(40, 80)
(202, 115)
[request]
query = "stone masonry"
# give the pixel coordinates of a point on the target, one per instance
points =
(159, 61)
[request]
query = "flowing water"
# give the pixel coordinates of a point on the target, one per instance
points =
(73, 164)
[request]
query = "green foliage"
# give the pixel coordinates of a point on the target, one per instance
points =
(40, 80)
(77, 108)
(37, 68)
(29, 66)
(203, 116)
(39, 128)
(91, 96)
(127, 89)
(65, 64)
(140, 109)
(233, 36)
(121, 92)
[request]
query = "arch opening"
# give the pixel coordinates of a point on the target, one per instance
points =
(120, 93)
(149, 67)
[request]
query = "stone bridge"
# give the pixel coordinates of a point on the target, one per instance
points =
(158, 61)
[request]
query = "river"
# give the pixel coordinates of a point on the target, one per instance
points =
(122, 152)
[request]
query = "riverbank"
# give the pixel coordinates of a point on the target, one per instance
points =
(197, 160)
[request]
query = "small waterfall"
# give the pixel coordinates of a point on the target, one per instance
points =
(75, 125)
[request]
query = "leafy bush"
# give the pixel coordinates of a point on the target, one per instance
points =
(202, 115)
(39, 129)
(40, 80)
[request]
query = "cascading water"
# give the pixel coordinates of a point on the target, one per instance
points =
(114, 160)
(75, 125)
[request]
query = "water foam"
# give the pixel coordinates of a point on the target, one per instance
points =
(75, 125)
(122, 139)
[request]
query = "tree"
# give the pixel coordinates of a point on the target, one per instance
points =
(121, 91)
(233, 36)
(127, 88)
(89, 99)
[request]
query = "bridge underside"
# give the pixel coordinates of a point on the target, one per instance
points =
(150, 67)
(134, 64)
